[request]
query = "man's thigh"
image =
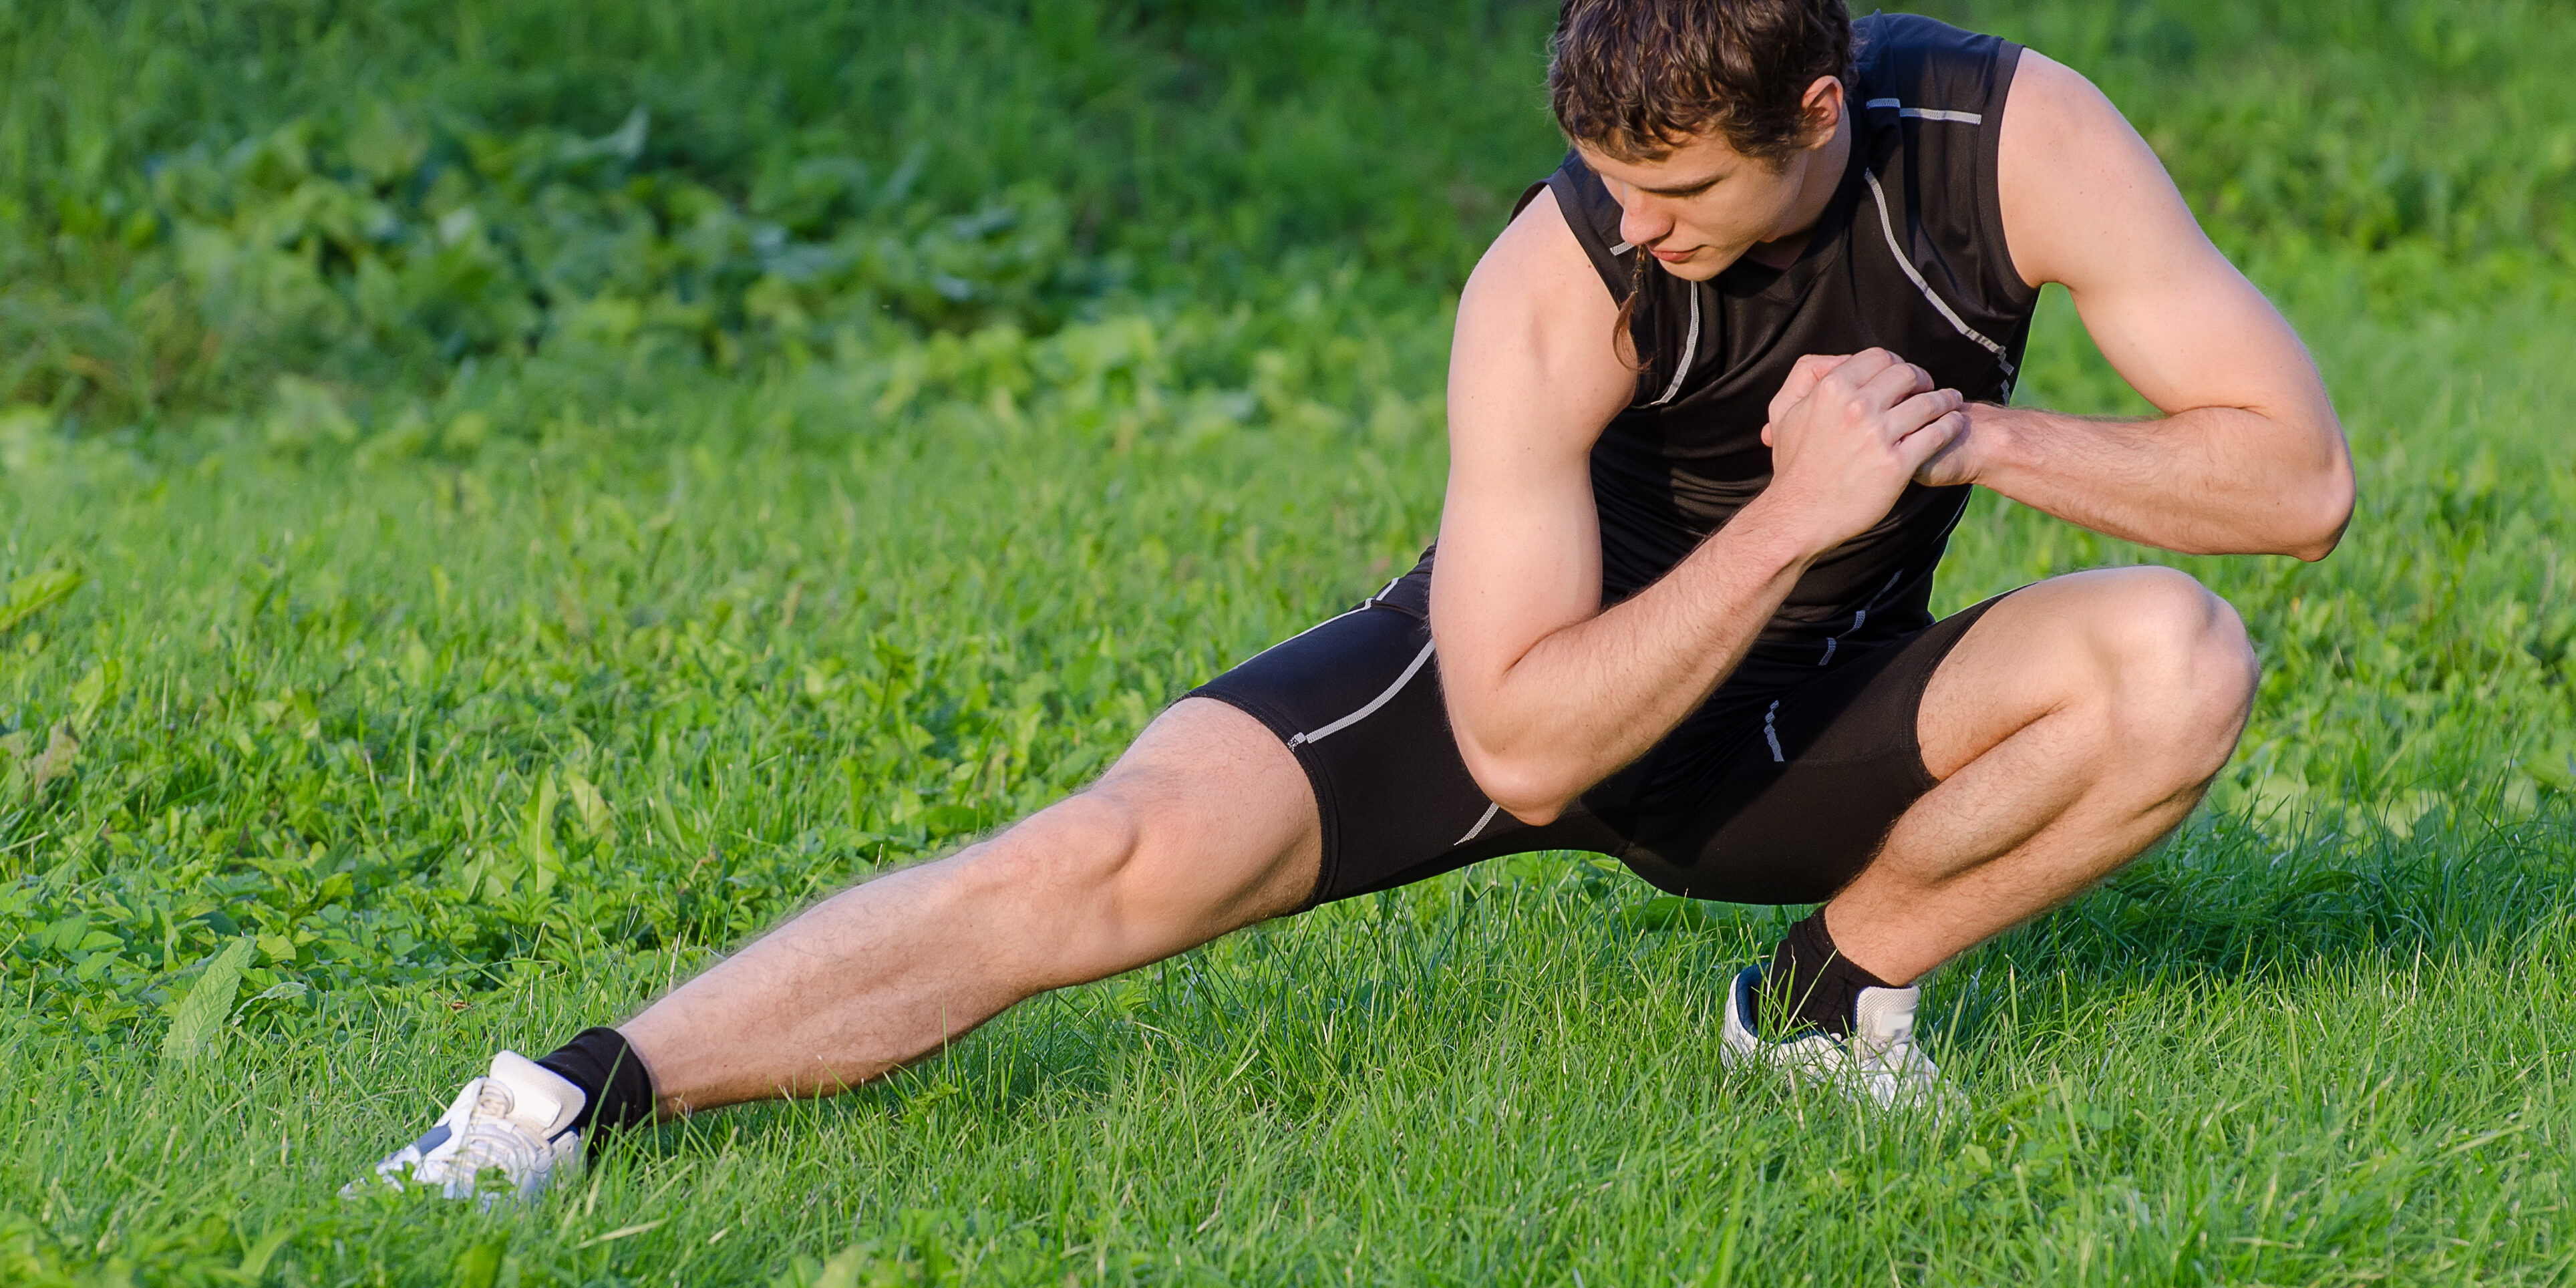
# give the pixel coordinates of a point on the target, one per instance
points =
(2084, 638)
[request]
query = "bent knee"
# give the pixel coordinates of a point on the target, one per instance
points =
(2178, 667)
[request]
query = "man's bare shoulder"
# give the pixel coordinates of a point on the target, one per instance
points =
(1535, 296)
(1536, 260)
(2054, 112)
(2070, 170)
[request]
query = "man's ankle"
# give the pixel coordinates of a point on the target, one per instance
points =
(1811, 984)
(610, 1073)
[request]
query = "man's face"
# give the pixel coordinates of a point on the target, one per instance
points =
(1704, 204)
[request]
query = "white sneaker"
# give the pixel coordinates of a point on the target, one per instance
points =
(1879, 1063)
(515, 1121)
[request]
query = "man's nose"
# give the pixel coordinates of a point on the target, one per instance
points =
(1641, 222)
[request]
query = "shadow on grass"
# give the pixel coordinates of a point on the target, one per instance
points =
(2235, 903)
(2235, 899)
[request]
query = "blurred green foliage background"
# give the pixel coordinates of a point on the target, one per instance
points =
(199, 199)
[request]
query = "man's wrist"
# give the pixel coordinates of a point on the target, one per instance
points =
(1769, 534)
(1993, 442)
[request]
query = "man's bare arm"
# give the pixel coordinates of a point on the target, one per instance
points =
(1548, 693)
(2249, 458)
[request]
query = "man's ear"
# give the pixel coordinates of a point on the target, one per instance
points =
(1823, 106)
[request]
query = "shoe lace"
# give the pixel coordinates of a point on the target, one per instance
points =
(493, 1140)
(1887, 1059)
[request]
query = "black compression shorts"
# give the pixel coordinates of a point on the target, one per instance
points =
(1778, 789)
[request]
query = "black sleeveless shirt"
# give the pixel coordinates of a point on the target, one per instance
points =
(1909, 257)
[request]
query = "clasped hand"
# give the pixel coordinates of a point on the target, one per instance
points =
(1848, 432)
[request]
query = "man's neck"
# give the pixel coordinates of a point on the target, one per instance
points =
(1824, 174)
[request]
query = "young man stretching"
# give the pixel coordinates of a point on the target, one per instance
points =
(1716, 397)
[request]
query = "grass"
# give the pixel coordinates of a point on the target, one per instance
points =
(481, 688)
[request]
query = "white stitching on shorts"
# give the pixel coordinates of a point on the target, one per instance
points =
(1371, 709)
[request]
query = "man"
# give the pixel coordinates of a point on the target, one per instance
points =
(1716, 397)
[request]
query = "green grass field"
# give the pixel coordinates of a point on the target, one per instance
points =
(499, 502)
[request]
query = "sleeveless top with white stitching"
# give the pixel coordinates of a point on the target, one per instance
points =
(1909, 256)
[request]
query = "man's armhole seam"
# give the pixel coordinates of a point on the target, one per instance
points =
(2003, 274)
(1594, 253)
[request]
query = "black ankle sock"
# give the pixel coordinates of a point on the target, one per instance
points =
(1812, 981)
(613, 1078)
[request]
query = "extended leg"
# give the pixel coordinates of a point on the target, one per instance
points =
(2076, 724)
(1205, 825)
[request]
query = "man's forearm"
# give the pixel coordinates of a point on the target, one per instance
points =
(2211, 480)
(1597, 694)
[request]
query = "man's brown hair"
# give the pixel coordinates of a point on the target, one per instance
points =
(1637, 78)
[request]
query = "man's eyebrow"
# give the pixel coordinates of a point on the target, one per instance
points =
(1683, 189)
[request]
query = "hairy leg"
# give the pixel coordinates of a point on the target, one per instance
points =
(1206, 824)
(2072, 727)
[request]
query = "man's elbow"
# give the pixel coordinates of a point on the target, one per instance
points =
(1535, 793)
(2324, 511)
